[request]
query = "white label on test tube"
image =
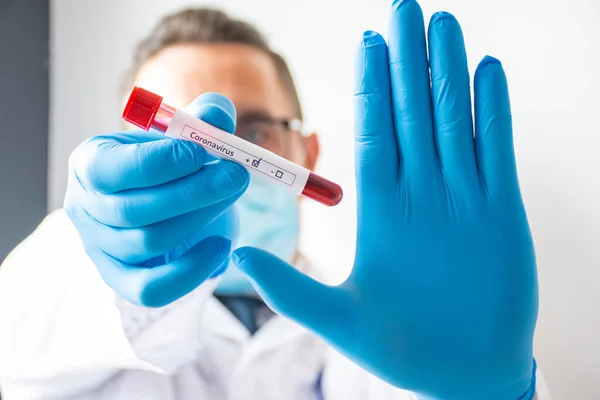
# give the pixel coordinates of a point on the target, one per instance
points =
(225, 145)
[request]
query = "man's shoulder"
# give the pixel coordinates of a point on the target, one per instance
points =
(55, 238)
(57, 222)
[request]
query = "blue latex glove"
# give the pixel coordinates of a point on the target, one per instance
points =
(442, 299)
(154, 212)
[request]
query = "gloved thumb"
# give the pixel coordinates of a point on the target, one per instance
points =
(325, 310)
(215, 109)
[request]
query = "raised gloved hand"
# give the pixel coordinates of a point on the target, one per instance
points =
(154, 212)
(442, 299)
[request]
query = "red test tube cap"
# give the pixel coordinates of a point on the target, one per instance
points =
(141, 108)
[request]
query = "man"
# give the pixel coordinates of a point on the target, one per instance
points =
(129, 293)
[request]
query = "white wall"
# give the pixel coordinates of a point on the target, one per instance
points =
(550, 51)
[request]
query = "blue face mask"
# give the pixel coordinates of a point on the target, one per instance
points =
(268, 219)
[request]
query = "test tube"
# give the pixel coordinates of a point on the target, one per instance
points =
(147, 110)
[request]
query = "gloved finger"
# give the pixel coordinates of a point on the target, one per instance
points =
(112, 163)
(139, 245)
(375, 142)
(161, 285)
(137, 159)
(216, 110)
(225, 225)
(323, 309)
(493, 130)
(214, 183)
(452, 102)
(409, 71)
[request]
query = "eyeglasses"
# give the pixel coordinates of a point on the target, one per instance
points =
(269, 133)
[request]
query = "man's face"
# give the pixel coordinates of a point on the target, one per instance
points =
(245, 75)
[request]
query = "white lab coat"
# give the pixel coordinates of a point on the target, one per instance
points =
(65, 335)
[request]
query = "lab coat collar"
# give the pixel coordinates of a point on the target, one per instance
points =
(218, 320)
(277, 332)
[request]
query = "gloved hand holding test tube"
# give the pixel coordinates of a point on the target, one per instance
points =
(147, 110)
